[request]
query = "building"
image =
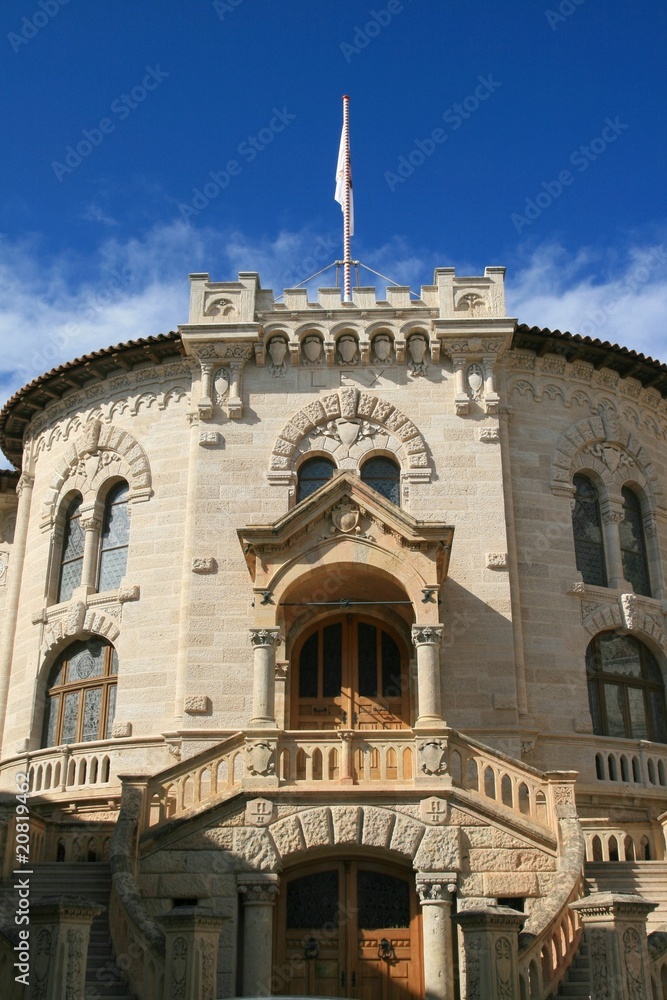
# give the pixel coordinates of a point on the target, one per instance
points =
(326, 621)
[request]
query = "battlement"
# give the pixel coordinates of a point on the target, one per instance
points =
(448, 298)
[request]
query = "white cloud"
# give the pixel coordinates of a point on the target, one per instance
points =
(596, 295)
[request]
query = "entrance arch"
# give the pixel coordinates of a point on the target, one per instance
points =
(349, 927)
(349, 672)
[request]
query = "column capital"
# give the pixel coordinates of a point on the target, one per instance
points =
(258, 889)
(435, 887)
(264, 637)
(427, 635)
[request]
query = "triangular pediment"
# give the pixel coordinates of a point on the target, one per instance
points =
(346, 507)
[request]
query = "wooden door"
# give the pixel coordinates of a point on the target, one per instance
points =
(350, 673)
(349, 929)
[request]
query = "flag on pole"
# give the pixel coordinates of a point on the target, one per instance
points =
(341, 172)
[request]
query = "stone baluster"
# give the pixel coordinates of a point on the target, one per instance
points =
(264, 642)
(346, 773)
(435, 896)
(427, 640)
(491, 947)
(615, 931)
(191, 966)
(59, 937)
(259, 893)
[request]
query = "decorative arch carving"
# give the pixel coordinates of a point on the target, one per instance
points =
(78, 623)
(603, 445)
(101, 452)
(346, 424)
(354, 827)
(626, 616)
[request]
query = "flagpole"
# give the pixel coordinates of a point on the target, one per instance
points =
(347, 252)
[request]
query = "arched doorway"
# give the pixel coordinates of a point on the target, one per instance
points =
(350, 672)
(349, 928)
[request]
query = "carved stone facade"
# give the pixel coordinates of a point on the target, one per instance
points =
(377, 675)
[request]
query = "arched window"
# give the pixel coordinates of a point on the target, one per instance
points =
(313, 474)
(81, 694)
(115, 537)
(633, 544)
(625, 689)
(384, 476)
(587, 531)
(71, 562)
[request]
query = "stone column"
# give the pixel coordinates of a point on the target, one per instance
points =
(612, 515)
(461, 399)
(14, 578)
(191, 959)
(91, 522)
(491, 946)
(427, 640)
(59, 936)
(264, 642)
(259, 894)
(435, 895)
(234, 401)
(205, 404)
(615, 931)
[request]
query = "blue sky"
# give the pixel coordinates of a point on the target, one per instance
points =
(529, 133)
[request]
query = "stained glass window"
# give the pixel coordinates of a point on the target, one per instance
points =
(625, 688)
(72, 551)
(81, 694)
(313, 474)
(587, 531)
(115, 538)
(633, 544)
(384, 476)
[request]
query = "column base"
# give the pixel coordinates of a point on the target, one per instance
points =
(429, 724)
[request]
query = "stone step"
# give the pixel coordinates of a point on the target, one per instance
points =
(646, 878)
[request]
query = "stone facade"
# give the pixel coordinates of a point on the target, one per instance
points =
(469, 776)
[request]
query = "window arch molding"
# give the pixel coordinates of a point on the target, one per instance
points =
(90, 691)
(626, 687)
(97, 456)
(344, 426)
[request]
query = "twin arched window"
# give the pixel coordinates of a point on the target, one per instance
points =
(383, 474)
(625, 689)
(110, 559)
(81, 694)
(588, 538)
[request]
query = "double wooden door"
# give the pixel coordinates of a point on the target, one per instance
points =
(350, 673)
(349, 929)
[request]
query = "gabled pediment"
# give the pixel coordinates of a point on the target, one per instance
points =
(346, 509)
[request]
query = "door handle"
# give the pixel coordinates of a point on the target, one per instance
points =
(344, 716)
(343, 979)
(353, 979)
